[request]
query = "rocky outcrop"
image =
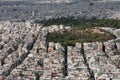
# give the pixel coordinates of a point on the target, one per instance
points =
(114, 31)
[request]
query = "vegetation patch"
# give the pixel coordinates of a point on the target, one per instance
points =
(73, 35)
(81, 22)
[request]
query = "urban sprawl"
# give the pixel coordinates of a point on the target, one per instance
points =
(25, 53)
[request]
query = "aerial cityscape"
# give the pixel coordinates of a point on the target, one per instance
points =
(59, 39)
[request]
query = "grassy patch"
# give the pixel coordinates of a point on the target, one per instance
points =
(70, 37)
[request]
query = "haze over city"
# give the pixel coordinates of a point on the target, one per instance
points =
(59, 39)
